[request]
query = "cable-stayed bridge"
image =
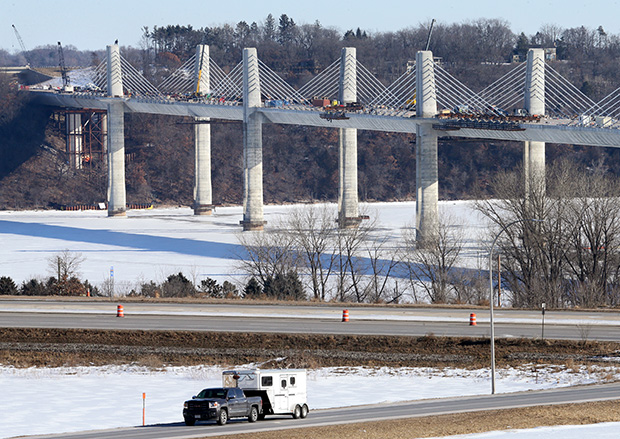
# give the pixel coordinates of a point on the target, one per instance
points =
(532, 103)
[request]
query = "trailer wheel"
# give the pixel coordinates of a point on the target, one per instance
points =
(253, 416)
(223, 418)
(297, 412)
(304, 411)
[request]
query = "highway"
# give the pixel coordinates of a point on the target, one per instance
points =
(361, 414)
(569, 325)
(321, 319)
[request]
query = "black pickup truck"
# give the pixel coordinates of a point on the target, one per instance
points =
(221, 404)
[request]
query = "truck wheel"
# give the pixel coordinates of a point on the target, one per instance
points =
(223, 418)
(297, 412)
(304, 411)
(190, 421)
(253, 416)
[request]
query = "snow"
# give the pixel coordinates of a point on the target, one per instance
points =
(87, 398)
(152, 244)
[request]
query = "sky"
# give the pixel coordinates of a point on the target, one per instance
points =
(41, 22)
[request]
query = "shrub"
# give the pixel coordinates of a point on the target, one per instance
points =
(177, 285)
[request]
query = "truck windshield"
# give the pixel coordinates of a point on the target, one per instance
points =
(212, 393)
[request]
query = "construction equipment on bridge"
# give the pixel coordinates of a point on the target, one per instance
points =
(334, 115)
(22, 45)
(66, 87)
(430, 32)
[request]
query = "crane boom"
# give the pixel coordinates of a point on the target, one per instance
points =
(63, 69)
(430, 32)
(21, 44)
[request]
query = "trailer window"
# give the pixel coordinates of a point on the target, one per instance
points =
(283, 384)
(266, 381)
(292, 380)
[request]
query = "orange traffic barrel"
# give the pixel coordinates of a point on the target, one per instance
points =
(472, 319)
(345, 315)
(119, 311)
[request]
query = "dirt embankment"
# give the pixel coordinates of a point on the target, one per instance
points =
(24, 347)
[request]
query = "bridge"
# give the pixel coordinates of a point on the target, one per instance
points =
(532, 103)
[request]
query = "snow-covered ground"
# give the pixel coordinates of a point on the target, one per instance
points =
(86, 398)
(152, 244)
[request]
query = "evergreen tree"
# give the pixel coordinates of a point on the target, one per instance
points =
(252, 289)
(7, 286)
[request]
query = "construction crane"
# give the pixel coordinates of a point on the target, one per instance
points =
(430, 32)
(22, 45)
(63, 70)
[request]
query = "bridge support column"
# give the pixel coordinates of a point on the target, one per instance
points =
(252, 144)
(203, 203)
(117, 203)
(74, 138)
(348, 200)
(534, 152)
(427, 180)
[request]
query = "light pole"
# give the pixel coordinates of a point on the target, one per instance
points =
(542, 336)
(491, 298)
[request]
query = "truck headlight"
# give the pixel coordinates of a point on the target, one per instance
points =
(213, 405)
(185, 405)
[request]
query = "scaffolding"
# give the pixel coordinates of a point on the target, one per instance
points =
(86, 136)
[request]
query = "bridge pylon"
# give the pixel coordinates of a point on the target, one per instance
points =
(427, 180)
(117, 196)
(534, 100)
(117, 199)
(252, 144)
(202, 138)
(348, 200)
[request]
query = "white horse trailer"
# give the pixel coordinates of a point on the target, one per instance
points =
(283, 391)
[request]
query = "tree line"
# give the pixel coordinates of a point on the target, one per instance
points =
(558, 237)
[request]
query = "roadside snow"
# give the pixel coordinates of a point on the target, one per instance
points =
(606, 430)
(87, 398)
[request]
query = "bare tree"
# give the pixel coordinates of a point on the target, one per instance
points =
(313, 230)
(268, 254)
(430, 267)
(594, 254)
(65, 267)
(350, 267)
(382, 260)
(572, 256)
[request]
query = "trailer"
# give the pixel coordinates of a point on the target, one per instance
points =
(283, 391)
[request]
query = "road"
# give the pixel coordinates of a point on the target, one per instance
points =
(568, 325)
(363, 414)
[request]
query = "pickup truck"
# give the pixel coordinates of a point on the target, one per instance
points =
(221, 404)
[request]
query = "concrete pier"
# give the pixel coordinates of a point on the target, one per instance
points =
(534, 152)
(202, 138)
(74, 139)
(252, 144)
(117, 198)
(427, 180)
(348, 200)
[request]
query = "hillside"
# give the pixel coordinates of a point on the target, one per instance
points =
(300, 163)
